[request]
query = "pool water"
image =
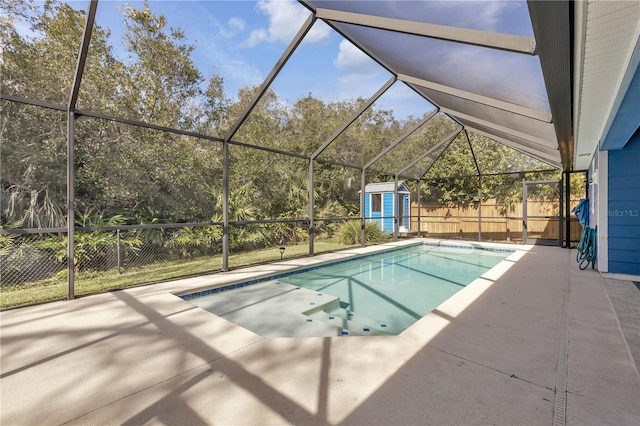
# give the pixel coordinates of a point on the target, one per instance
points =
(400, 287)
(376, 294)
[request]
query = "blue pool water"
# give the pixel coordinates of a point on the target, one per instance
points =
(400, 287)
(381, 293)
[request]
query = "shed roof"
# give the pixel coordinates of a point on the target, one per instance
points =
(386, 187)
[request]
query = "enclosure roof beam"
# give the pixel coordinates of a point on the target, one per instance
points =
(82, 55)
(445, 140)
(547, 158)
(354, 117)
(435, 160)
(516, 133)
(302, 32)
(473, 154)
(401, 138)
(473, 97)
(512, 43)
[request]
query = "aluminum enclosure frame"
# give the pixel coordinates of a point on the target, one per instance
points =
(552, 47)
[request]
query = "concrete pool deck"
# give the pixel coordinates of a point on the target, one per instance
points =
(145, 356)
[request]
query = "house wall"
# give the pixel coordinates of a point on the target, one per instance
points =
(623, 208)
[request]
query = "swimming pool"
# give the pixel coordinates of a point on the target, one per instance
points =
(381, 293)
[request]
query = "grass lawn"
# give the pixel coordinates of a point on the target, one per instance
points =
(95, 282)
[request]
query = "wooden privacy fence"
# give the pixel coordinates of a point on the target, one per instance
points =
(461, 222)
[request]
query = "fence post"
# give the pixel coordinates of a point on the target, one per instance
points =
(118, 247)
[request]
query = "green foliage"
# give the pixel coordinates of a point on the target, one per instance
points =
(8, 242)
(92, 249)
(192, 241)
(454, 177)
(350, 233)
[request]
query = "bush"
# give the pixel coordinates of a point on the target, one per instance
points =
(350, 233)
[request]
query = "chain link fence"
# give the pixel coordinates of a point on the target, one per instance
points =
(31, 257)
(33, 263)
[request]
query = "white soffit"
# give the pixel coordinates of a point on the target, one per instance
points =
(606, 34)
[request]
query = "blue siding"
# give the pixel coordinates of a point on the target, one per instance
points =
(387, 224)
(367, 204)
(625, 232)
(387, 211)
(627, 119)
(624, 208)
(619, 181)
(407, 212)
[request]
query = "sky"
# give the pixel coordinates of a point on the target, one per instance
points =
(243, 40)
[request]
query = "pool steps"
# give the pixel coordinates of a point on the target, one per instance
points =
(352, 323)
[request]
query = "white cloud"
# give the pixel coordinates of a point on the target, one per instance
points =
(242, 72)
(256, 37)
(237, 23)
(285, 19)
(233, 28)
(361, 75)
(352, 59)
(355, 85)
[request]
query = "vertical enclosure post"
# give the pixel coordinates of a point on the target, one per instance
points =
(363, 181)
(71, 117)
(311, 209)
(396, 209)
(419, 208)
(567, 211)
(225, 206)
(71, 222)
(479, 207)
(561, 211)
(524, 211)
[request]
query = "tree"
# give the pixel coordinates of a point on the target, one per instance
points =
(500, 167)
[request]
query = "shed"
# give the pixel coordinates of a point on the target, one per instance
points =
(380, 208)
